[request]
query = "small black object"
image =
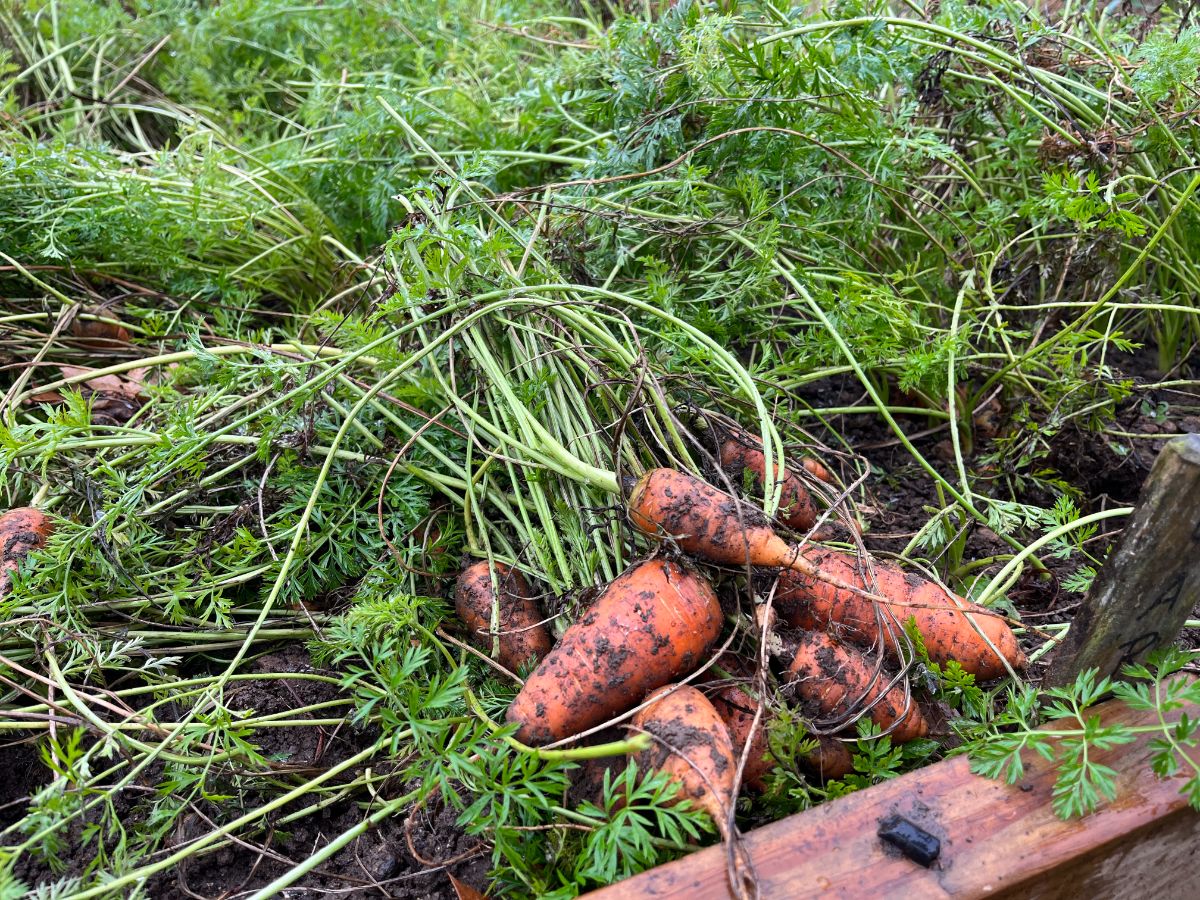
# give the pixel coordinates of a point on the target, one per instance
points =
(912, 840)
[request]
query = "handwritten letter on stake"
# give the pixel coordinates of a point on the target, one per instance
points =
(1151, 581)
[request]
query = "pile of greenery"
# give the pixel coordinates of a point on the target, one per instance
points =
(306, 303)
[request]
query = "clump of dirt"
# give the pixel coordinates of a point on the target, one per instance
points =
(24, 775)
(377, 864)
(299, 746)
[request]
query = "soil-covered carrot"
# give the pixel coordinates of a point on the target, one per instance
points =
(835, 677)
(953, 628)
(692, 745)
(709, 523)
(653, 624)
(741, 453)
(522, 636)
(830, 759)
(738, 709)
(706, 521)
(21, 530)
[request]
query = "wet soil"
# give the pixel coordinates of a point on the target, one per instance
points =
(378, 864)
(23, 776)
(1107, 467)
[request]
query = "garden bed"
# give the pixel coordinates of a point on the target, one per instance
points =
(311, 310)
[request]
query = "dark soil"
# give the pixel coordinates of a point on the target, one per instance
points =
(294, 746)
(1107, 467)
(377, 864)
(23, 775)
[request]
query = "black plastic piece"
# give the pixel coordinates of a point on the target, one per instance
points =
(910, 839)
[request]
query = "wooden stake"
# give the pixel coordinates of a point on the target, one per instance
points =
(1151, 581)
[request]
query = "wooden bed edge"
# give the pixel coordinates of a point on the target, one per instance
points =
(996, 840)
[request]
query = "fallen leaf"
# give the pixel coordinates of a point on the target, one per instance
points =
(96, 333)
(131, 383)
(465, 891)
(987, 419)
(114, 398)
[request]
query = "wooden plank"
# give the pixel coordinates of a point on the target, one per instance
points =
(1151, 581)
(996, 840)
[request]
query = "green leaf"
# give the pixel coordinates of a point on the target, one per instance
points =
(1168, 63)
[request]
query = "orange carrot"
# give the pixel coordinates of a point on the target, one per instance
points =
(953, 628)
(831, 758)
(738, 709)
(21, 530)
(836, 678)
(654, 623)
(692, 745)
(815, 468)
(522, 637)
(706, 521)
(741, 452)
(711, 524)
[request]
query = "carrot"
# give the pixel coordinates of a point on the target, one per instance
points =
(831, 758)
(835, 678)
(741, 453)
(654, 623)
(523, 637)
(705, 521)
(953, 628)
(738, 709)
(816, 469)
(711, 524)
(692, 745)
(21, 530)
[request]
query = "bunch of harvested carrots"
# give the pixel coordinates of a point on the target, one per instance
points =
(660, 621)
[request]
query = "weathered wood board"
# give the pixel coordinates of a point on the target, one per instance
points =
(1151, 581)
(996, 840)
